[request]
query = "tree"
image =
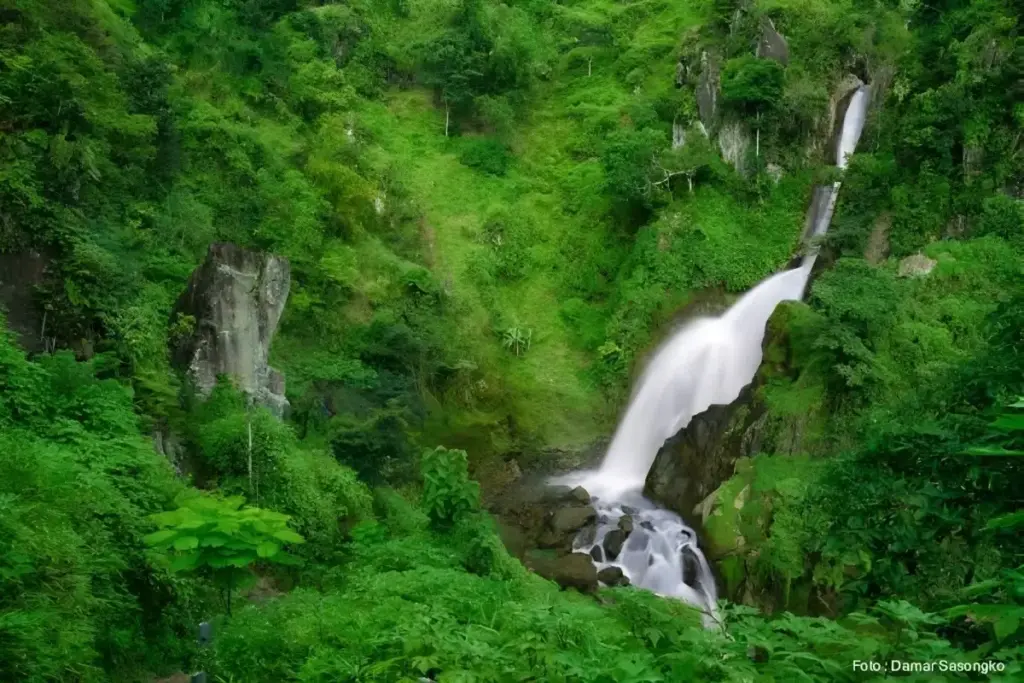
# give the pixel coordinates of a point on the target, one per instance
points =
(220, 537)
(753, 86)
(694, 156)
(751, 83)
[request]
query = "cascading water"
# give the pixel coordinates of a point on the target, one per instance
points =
(707, 362)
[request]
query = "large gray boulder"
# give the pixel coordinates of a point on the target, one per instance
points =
(235, 298)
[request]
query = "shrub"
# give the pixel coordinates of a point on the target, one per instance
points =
(448, 493)
(752, 84)
(486, 155)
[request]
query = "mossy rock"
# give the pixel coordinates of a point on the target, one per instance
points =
(754, 533)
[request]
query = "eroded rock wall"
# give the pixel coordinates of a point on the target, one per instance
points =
(234, 302)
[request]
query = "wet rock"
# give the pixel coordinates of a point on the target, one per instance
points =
(647, 525)
(597, 554)
(580, 495)
(612, 576)
(571, 519)
(627, 510)
(168, 444)
(234, 301)
(772, 44)
(917, 265)
(574, 570)
(551, 540)
(695, 462)
(586, 535)
(626, 524)
(691, 567)
(613, 542)
(555, 494)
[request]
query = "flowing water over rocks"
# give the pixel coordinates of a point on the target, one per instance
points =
(707, 362)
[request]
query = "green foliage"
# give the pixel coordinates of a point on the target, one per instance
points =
(448, 492)
(627, 157)
(131, 136)
(485, 155)
(408, 609)
(248, 451)
(79, 594)
(749, 83)
(516, 339)
(219, 536)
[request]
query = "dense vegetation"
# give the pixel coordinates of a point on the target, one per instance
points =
(488, 227)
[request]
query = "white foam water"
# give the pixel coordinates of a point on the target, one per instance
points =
(707, 362)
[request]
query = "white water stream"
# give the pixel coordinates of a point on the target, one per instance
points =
(705, 363)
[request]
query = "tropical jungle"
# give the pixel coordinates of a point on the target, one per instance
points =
(304, 303)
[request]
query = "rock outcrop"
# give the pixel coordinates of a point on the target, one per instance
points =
(917, 265)
(612, 576)
(734, 141)
(235, 299)
(539, 524)
(772, 44)
(695, 462)
(708, 84)
(20, 274)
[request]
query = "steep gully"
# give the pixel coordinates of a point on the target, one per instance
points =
(707, 362)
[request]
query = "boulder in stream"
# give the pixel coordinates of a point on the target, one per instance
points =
(575, 570)
(613, 542)
(612, 576)
(569, 519)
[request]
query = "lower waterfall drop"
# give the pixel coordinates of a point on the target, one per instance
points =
(707, 362)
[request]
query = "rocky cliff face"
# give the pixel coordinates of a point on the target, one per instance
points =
(701, 457)
(20, 273)
(695, 462)
(234, 300)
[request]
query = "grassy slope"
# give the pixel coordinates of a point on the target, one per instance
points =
(550, 392)
(559, 193)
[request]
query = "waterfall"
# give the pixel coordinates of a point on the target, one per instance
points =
(705, 363)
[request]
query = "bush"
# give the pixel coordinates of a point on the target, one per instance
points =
(78, 593)
(448, 493)
(752, 84)
(485, 155)
(251, 453)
